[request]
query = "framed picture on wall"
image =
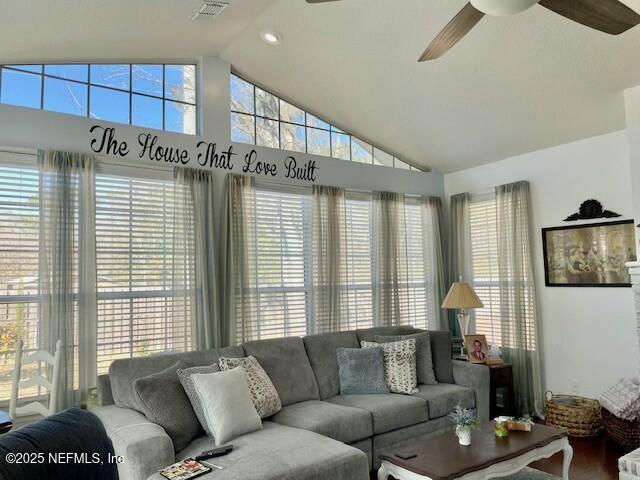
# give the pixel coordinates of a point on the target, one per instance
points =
(590, 255)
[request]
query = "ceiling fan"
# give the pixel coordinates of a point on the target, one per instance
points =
(609, 16)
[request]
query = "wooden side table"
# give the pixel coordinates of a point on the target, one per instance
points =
(501, 383)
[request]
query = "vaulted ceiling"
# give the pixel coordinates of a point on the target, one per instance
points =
(513, 85)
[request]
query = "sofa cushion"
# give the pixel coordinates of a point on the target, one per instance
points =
(441, 353)
(278, 452)
(443, 398)
(368, 334)
(424, 359)
(345, 424)
(321, 350)
(285, 361)
(164, 402)
(124, 372)
(389, 411)
(361, 371)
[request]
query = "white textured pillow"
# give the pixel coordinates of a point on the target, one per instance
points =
(399, 364)
(226, 404)
(623, 399)
(264, 394)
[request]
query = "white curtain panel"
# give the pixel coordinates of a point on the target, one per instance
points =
(329, 270)
(434, 260)
(518, 313)
(194, 265)
(239, 313)
(390, 257)
(67, 268)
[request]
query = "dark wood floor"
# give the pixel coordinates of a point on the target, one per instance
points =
(593, 459)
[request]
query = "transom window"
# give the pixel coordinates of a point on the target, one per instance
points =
(145, 95)
(261, 118)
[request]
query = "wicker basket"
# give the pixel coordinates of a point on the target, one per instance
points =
(580, 416)
(623, 432)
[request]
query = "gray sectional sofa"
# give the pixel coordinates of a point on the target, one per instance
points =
(319, 433)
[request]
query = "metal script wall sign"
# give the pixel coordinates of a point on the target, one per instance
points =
(104, 141)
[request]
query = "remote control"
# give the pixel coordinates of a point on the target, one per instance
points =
(215, 452)
(406, 455)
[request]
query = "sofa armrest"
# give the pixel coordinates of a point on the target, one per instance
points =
(144, 446)
(476, 377)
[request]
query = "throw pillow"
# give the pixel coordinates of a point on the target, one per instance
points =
(164, 402)
(361, 371)
(623, 400)
(184, 375)
(263, 393)
(424, 359)
(226, 404)
(399, 364)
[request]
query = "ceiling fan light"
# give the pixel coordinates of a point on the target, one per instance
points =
(503, 7)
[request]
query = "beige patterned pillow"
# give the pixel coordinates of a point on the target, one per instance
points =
(264, 395)
(399, 364)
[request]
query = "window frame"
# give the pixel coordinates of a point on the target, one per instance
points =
(164, 98)
(331, 129)
(26, 159)
(495, 334)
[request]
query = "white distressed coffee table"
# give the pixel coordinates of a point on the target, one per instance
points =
(442, 458)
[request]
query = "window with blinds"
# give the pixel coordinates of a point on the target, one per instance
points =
(499, 327)
(19, 224)
(137, 314)
(283, 231)
(484, 258)
(358, 254)
(413, 294)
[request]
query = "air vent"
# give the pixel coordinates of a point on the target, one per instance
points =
(210, 9)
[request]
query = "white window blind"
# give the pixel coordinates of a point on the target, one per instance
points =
(413, 294)
(19, 218)
(484, 257)
(358, 254)
(283, 230)
(501, 330)
(137, 314)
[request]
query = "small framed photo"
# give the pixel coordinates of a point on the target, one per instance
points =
(477, 349)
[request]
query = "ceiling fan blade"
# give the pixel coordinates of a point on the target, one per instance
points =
(462, 23)
(609, 16)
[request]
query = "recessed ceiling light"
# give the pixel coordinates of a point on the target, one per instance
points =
(270, 37)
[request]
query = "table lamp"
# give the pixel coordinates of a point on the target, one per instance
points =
(461, 296)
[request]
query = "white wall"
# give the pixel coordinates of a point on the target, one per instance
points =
(588, 334)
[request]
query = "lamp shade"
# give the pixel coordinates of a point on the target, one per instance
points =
(461, 295)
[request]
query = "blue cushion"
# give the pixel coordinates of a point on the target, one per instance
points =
(361, 371)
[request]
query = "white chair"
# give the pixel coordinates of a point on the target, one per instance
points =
(35, 408)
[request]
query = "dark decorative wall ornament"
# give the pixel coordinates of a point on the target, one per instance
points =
(590, 209)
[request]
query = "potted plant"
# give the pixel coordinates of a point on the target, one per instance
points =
(465, 422)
